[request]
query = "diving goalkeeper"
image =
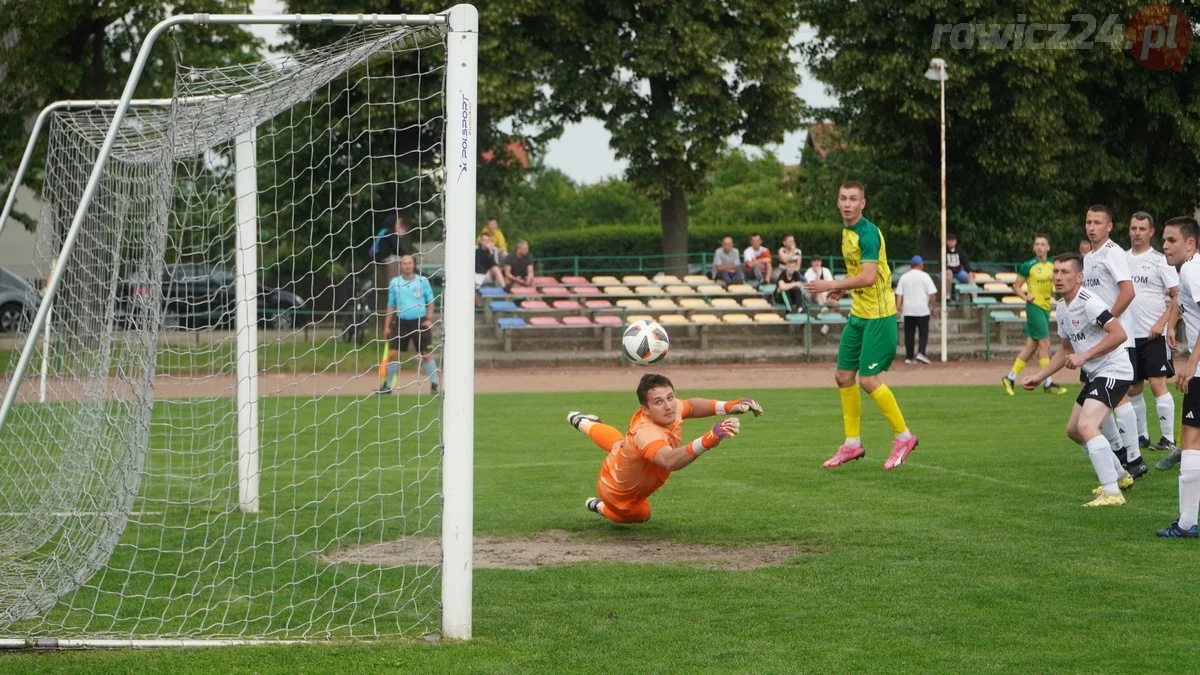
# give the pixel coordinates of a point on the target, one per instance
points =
(639, 462)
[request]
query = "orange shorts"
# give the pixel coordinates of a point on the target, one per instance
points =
(623, 509)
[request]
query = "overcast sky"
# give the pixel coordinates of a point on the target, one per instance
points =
(582, 151)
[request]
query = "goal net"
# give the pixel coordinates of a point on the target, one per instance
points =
(199, 447)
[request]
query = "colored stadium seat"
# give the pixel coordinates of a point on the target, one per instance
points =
(666, 279)
(737, 318)
(845, 303)
(511, 322)
(492, 292)
(768, 317)
(574, 281)
(554, 290)
(542, 281)
(544, 321)
(679, 289)
(566, 305)
(648, 290)
(1006, 277)
(799, 318)
(607, 320)
(693, 303)
(598, 304)
(725, 303)
(711, 289)
(522, 291)
(981, 277)
(634, 318)
(585, 290)
(696, 280)
(830, 318)
(756, 303)
(1005, 316)
(631, 303)
(673, 320)
(766, 289)
(534, 304)
(967, 288)
(635, 279)
(605, 280)
(576, 321)
(997, 287)
(983, 301)
(617, 290)
(661, 303)
(741, 289)
(1012, 300)
(502, 306)
(705, 317)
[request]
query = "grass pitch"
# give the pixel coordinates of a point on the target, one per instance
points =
(974, 556)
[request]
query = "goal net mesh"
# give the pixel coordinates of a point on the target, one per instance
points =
(119, 482)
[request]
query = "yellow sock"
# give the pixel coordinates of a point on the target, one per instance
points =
(1018, 366)
(1042, 362)
(851, 410)
(891, 410)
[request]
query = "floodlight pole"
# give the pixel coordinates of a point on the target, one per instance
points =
(937, 71)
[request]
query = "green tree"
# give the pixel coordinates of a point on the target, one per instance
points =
(745, 189)
(82, 49)
(672, 81)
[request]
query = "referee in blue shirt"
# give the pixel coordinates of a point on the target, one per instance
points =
(410, 302)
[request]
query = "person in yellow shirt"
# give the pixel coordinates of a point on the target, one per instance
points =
(868, 342)
(639, 461)
(492, 229)
(1035, 285)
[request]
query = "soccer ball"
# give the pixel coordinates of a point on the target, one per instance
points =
(645, 342)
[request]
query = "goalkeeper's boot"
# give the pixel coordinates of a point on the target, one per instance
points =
(1176, 531)
(1124, 482)
(1056, 389)
(1008, 385)
(1107, 500)
(900, 452)
(1169, 461)
(577, 418)
(1162, 444)
(843, 455)
(593, 505)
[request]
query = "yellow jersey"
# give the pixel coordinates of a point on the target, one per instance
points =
(1039, 281)
(863, 243)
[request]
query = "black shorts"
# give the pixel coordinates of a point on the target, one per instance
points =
(409, 330)
(1104, 389)
(1191, 404)
(1152, 358)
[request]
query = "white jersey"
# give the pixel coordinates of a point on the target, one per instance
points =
(1081, 322)
(1103, 269)
(1153, 280)
(1189, 295)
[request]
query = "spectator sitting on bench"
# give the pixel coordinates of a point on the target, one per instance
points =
(492, 229)
(817, 270)
(786, 253)
(518, 265)
(727, 264)
(487, 268)
(758, 259)
(790, 285)
(958, 265)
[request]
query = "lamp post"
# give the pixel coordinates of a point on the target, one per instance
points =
(937, 72)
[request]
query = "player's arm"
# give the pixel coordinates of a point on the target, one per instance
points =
(1166, 322)
(1114, 336)
(865, 277)
(1124, 297)
(387, 321)
(1019, 289)
(1183, 376)
(428, 297)
(674, 459)
(704, 407)
(1065, 351)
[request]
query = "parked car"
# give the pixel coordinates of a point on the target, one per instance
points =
(18, 302)
(204, 295)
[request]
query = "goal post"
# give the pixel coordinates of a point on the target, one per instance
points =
(196, 492)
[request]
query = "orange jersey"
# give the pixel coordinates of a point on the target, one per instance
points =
(629, 473)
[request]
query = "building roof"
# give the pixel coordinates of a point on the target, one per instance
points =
(824, 137)
(516, 149)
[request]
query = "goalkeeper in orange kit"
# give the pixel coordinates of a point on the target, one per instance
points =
(641, 460)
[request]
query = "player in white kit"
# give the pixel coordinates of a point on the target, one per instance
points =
(1106, 275)
(1152, 324)
(1092, 341)
(1179, 245)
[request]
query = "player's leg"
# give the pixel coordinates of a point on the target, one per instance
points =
(922, 338)
(910, 335)
(1138, 401)
(397, 347)
(878, 350)
(1189, 466)
(1043, 352)
(1086, 420)
(1008, 381)
(625, 513)
(425, 347)
(606, 437)
(1160, 366)
(849, 356)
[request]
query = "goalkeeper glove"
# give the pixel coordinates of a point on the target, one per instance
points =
(743, 405)
(726, 428)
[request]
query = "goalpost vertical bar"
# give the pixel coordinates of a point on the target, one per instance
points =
(246, 320)
(458, 321)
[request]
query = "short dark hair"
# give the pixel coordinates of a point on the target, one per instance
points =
(952, 235)
(1072, 258)
(651, 381)
(1187, 227)
(1142, 215)
(755, 234)
(786, 235)
(490, 219)
(1100, 208)
(853, 185)
(1040, 235)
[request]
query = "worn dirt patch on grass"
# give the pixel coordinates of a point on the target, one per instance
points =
(558, 547)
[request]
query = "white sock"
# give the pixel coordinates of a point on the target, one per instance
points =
(904, 435)
(1166, 416)
(1048, 382)
(1012, 376)
(1189, 488)
(1139, 408)
(1127, 427)
(1109, 428)
(584, 426)
(1102, 461)
(853, 442)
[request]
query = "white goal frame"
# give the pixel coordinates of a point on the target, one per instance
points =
(459, 174)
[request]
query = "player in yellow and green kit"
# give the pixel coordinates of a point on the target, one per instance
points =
(869, 339)
(1035, 285)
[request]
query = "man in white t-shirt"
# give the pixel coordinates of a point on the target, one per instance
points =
(915, 294)
(758, 259)
(817, 270)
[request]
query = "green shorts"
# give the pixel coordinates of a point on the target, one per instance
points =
(868, 345)
(1037, 322)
